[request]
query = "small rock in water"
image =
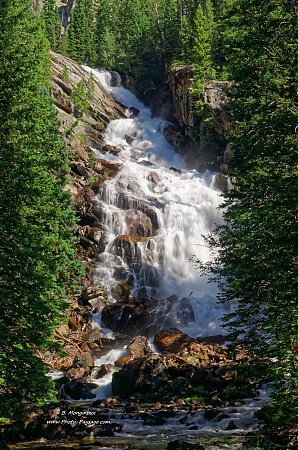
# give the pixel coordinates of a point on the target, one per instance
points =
(129, 139)
(134, 112)
(183, 445)
(231, 426)
(111, 149)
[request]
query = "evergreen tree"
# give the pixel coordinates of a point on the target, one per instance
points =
(257, 258)
(36, 219)
(51, 20)
(81, 44)
(201, 52)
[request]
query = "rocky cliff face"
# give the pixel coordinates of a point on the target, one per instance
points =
(202, 136)
(180, 81)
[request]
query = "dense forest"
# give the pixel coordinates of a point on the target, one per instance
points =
(250, 43)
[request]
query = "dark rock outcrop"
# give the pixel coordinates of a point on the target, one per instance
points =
(171, 340)
(125, 317)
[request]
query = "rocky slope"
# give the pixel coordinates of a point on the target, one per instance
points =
(84, 109)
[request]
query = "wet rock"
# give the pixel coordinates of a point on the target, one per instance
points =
(84, 359)
(183, 445)
(171, 340)
(123, 360)
(121, 290)
(126, 247)
(176, 137)
(153, 421)
(221, 181)
(86, 243)
(154, 178)
(216, 339)
(134, 112)
(120, 273)
(139, 347)
(104, 370)
(76, 373)
(123, 383)
(93, 295)
(231, 426)
(210, 414)
(125, 202)
(138, 223)
(129, 139)
(111, 149)
(184, 312)
(124, 317)
(181, 385)
(87, 219)
(78, 390)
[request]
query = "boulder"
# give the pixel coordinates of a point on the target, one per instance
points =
(121, 290)
(79, 169)
(171, 340)
(124, 317)
(231, 426)
(214, 339)
(127, 248)
(221, 182)
(123, 360)
(111, 149)
(103, 370)
(184, 445)
(134, 112)
(84, 359)
(139, 347)
(93, 295)
(203, 354)
(123, 383)
(181, 385)
(154, 178)
(129, 139)
(138, 223)
(78, 390)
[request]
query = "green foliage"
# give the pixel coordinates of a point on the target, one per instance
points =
(51, 21)
(256, 263)
(37, 261)
(80, 46)
(65, 73)
(79, 97)
(201, 52)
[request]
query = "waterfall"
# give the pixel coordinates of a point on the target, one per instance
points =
(156, 211)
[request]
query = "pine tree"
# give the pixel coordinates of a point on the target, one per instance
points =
(257, 260)
(36, 219)
(81, 44)
(201, 52)
(51, 20)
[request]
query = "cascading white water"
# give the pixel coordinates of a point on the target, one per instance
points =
(165, 209)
